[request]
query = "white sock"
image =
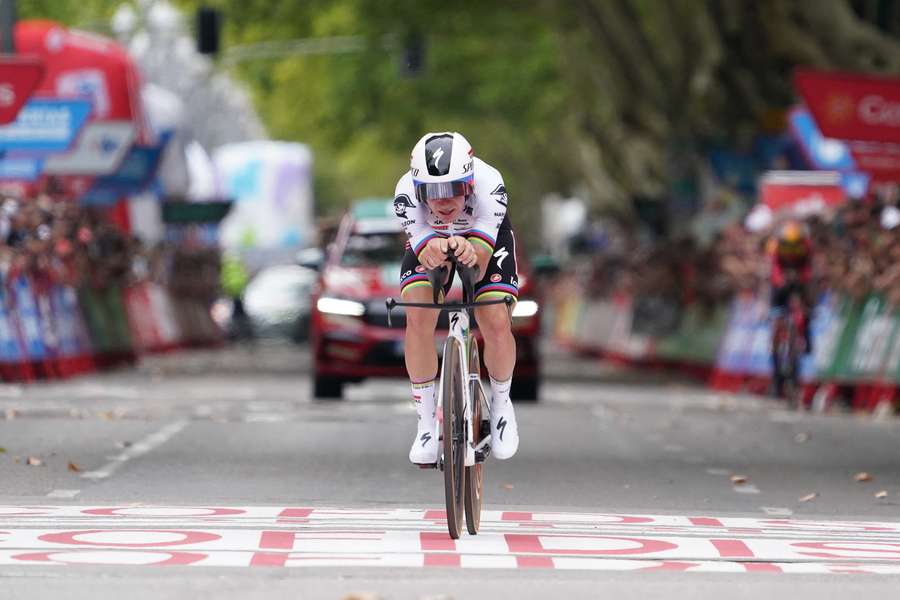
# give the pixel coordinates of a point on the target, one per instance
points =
(500, 391)
(423, 398)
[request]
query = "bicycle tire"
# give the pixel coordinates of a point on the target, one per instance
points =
(474, 497)
(453, 437)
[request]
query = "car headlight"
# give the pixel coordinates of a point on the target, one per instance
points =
(525, 308)
(339, 306)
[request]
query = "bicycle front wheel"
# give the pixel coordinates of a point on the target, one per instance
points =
(454, 437)
(475, 474)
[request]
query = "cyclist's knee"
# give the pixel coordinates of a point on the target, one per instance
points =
(493, 320)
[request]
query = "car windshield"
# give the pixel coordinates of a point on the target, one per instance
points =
(373, 249)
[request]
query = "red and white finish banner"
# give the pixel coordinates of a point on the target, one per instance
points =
(315, 537)
(850, 106)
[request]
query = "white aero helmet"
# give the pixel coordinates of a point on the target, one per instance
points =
(441, 166)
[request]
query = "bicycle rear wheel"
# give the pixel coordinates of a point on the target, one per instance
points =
(475, 473)
(453, 437)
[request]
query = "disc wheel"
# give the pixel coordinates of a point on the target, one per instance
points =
(475, 473)
(453, 437)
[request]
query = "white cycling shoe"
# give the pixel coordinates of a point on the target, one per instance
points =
(424, 450)
(504, 431)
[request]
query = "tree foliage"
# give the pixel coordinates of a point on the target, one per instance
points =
(610, 98)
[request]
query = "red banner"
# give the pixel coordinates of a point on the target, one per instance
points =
(852, 107)
(881, 161)
(807, 192)
(19, 77)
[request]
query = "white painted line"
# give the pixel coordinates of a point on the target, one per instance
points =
(746, 488)
(719, 471)
(63, 493)
(264, 418)
(777, 511)
(142, 447)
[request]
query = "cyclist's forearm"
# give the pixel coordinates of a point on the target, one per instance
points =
(483, 257)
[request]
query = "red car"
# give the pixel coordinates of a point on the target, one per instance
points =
(350, 336)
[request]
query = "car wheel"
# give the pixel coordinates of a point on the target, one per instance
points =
(327, 388)
(524, 389)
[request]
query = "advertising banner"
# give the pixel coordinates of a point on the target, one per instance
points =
(9, 344)
(850, 106)
(804, 192)
(45, 125)
(26, 310)
(98, 151)
(271, 185)
(19, 77)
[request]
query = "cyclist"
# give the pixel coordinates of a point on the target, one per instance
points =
(790, 254)
(449, 200)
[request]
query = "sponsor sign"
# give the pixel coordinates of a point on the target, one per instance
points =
(135, 172)
(806, 192)
(820, 152)
(45, 125)
(19, 77)
(851, 106)
(99, 150)
(20, 168)
(881, 160)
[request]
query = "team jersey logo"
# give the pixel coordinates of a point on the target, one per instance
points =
(500, 196)
(401, 204)
(501, 255)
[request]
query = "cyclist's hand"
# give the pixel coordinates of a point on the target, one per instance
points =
(463, 249)
(434, 254)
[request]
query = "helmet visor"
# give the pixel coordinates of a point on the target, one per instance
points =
(449, 189)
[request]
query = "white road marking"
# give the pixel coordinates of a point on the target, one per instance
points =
(718, 471)
(264, 418)
(142, 447)
(63, 493)
(274, 536)
(777, 511)
(746, 488)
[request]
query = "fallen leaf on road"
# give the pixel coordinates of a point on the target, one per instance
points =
(2, 450)
(74, 468)
(738, 479)
(507, 486)
(10, 414)
(801, 438)
(106, 415)
(809, 497)
(881, 494)
(862, 476)
(362, 596)
(33, 461)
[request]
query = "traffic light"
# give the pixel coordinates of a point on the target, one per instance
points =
(413, 59)
(209, 23)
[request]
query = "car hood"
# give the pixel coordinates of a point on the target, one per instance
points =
(362, 283)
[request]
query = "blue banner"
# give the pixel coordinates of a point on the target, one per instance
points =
(21, 168)
(136, 172)
(29, 320)
(9, 345)
(45, 126)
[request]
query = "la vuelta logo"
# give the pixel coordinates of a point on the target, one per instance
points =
(877, 110)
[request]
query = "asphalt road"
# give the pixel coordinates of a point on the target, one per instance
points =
(221, 471)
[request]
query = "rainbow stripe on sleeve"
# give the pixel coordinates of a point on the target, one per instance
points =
(478, 236)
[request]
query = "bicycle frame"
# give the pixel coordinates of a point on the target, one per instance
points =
(460, 331)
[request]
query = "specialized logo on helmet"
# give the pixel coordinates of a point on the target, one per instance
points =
(439, 154)
(496, 277)
(401, 204)
(499, 194)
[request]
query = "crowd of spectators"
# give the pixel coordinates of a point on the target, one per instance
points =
(49, 240)
(856, 252)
